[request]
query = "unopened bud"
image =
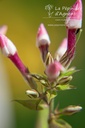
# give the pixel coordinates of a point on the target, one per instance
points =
(32, 93)
(53, 70)
(72, 109)
(74, 17)
(6, 45)
(42, 36)
(43, 41)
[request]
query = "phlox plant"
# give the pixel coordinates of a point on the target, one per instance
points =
(57, 73)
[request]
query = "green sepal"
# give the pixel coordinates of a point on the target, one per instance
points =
(41, 78)
(34, 103)
(65, 87)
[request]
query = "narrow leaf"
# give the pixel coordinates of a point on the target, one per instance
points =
(33, 104)
(65, 87)
(69, 72)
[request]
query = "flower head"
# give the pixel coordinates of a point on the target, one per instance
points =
(74, 17)
(43, 41)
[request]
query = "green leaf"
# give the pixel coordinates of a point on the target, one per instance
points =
(65, 87)
(69, 72)
(34, 104)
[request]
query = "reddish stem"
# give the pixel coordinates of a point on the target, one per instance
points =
(18, 63)
(71, 43)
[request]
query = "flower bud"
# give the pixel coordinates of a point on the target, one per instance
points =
(53, 70)
(61, 50)
(74, 17)
(10, 51)
(73, 24)
(71, 110)
(43, 41)
(7, 46)
(32, 93)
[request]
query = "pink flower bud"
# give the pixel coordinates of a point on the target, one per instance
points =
(61, 50)
(9, 50)
(43, 41)
(53, 70)
(42, 36)
(3, 29)
(74, 17)
(73, 24)
(7, 46)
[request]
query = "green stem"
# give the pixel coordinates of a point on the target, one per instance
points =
(51, 106)
(45, 116)
(42, 119)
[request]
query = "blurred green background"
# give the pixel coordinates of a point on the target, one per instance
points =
(23, 18)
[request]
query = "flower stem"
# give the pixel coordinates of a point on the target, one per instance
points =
(42, 119)
(51, 106)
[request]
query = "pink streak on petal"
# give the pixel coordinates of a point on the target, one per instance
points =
(54, 69)
(76, 11)
(3, 41)
(62, 49)
(64, 43)
(41, 31)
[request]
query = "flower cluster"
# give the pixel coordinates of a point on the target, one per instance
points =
(57, 74)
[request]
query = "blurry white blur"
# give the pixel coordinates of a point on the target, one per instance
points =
(6, 109)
